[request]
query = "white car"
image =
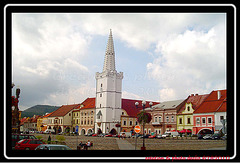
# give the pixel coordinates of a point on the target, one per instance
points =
(47, 131)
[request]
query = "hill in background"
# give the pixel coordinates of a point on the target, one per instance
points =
(38, 110)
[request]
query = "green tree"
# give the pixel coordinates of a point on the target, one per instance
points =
(144, 117)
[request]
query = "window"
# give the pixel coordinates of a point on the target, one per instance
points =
(188, 108)
(221, 118)
(122, 113)
(101, 85)
(172, 118)
(197, 120)
(91, 122)
(160, 119)
(69, 114)
(209, 120)
(203, 120)
(91, 112)
(149, 131)
(167, 119)
(100, 105)
(155, 119)
(130, 123)
(180, 120)
(136, 123)
(100, 95)
(124, 123)
(189, 120)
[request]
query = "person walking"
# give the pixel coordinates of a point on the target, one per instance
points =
(49, 138)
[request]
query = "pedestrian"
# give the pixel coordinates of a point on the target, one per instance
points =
(49, 138)
(88, 144)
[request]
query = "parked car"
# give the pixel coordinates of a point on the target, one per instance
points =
(216, 136)
(126, 134)
(47, 131)
(207, 136)
(170, 134)
(18, 137)
(28, 144)
(224, 137)
(200, 136)
(94, 135)
(159, 137)
(101, 135)
(152, 136)
(108, 135)
(52, 147)
(145, 136)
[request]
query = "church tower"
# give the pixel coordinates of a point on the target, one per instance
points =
(108, 93)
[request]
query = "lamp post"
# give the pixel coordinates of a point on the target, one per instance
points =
(143, 106)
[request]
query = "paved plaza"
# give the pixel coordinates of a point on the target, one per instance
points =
(110, 143)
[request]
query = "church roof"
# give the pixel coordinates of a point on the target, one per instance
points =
(109, 61)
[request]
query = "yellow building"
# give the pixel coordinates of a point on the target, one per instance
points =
(185, 114)
(39, 123)
(83, 117)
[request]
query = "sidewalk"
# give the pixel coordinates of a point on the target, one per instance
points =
(124, 145)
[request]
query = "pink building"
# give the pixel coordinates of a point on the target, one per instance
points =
(204, 116)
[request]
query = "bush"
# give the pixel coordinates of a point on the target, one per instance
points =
(60, 138)
(39, 137)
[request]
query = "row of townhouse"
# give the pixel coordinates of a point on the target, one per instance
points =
(82, 117)
(198, 114)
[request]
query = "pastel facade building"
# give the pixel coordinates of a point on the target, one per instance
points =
(164, 117)
(205, 118)
(185, 114)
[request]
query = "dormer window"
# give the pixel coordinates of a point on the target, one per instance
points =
(188, 108)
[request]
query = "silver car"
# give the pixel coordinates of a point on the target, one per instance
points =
(52, 147)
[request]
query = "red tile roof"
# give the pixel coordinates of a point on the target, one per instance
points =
(63, 110)
(88, 103)
(34, 119)
(223, 107)
(212, 103)
(195, 100)
(129, 106)
(47, 115)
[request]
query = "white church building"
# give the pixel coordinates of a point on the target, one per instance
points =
(108, 93)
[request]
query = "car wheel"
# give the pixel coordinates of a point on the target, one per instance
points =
(27, 148)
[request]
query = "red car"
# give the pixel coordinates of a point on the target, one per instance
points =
(28, 144)
(108, 135)
(94, 134)
(152, 136)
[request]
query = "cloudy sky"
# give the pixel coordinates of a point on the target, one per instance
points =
(162, 56)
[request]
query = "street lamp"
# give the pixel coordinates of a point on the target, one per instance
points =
(143, 106)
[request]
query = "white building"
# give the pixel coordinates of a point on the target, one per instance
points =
(108, 93)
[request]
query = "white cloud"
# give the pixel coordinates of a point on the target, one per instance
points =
(191, 62)
(129, 95)
(188, 52)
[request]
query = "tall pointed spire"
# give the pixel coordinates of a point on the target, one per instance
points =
(109, 61)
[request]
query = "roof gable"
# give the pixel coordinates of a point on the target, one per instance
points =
(212, 102)
(63, 110)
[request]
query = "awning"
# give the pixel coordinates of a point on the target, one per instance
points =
(185, 131)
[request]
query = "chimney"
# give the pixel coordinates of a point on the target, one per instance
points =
(219, 94)
(192, 95)
(196, 94)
